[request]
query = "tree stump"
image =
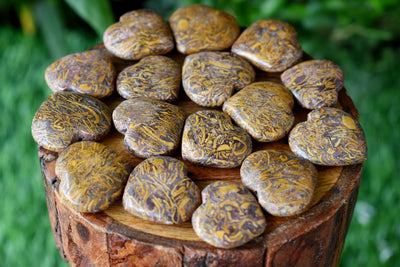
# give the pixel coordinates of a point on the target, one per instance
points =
(116, 238)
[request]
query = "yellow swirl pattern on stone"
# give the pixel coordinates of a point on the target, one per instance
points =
(330, 137)
(270, 45)
(314, 83)
(159, 190)
(155, 77)
(210, 78)
(151, 127)
(229, 215)
(65, 117)
(263, 109)
(92, 176)
(210, 139)
(138, 34)
(284, 183)
(89, 73)
(201, 28)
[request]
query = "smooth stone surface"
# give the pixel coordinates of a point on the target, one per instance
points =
(210, 78)
(229, 215)
(284, 183)
(155, 77)
(159, 190)
(151, 127)
(314, 83)
(89, 73)
(210, 139)
(201, 28)
(64, 118)
(263, 109)
(138, 34)
(270, 45)
(92, 176)
(330, 137)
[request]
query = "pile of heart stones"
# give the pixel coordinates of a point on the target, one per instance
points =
(217, 74)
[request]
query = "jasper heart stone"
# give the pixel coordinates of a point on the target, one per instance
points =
(210, 78)
(263, 109)
(270, 45)
(284, 183)
(65, 117)
(151, 127)
(210, 139)
(138, 34)
(314, 83)
(330, 136)
(159, 190)
(229, 215)
(89, 73)
(156, 77)
(201, 28)
(92, 176)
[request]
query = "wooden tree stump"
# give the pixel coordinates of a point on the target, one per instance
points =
(116, 238)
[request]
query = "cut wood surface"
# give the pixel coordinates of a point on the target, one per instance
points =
(117, 238)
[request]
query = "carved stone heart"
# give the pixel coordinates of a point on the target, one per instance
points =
(263, 109)
(92, 176)
(330, 136)
(270, 45)
(155, 77)
(284, 183)
(201, 28)
(229, 216)
(210, 139)
(159, 190)
(314, 83)
(138, 34)
(89, 73)
(151, 127)
(210, 78)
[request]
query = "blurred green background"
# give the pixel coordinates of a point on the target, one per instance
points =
(361, 36)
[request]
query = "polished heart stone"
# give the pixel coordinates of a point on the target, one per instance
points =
(138, 34)
(156, 77)
(263, 109)
(330, 136)
(151, 127)
(159, 190)
(92, 176)
(201, 28)
(284, 183)
(89, 73)
(270, 45)
(314, 83)
(229, 215)
(210, 139)
(65, 117)
(210, 78)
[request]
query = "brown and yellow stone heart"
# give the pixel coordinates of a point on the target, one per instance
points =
(229, 215)
(263, 109)
(270, 45)
(65, 117)
(138, 34)
(210, 139)
(210, 78)
(159, 190)
(155, 77)
(330, 136)
(151, 127)
(314, 83)
(201, 28)
(92, 176)
(89, 73)
(284, 183)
